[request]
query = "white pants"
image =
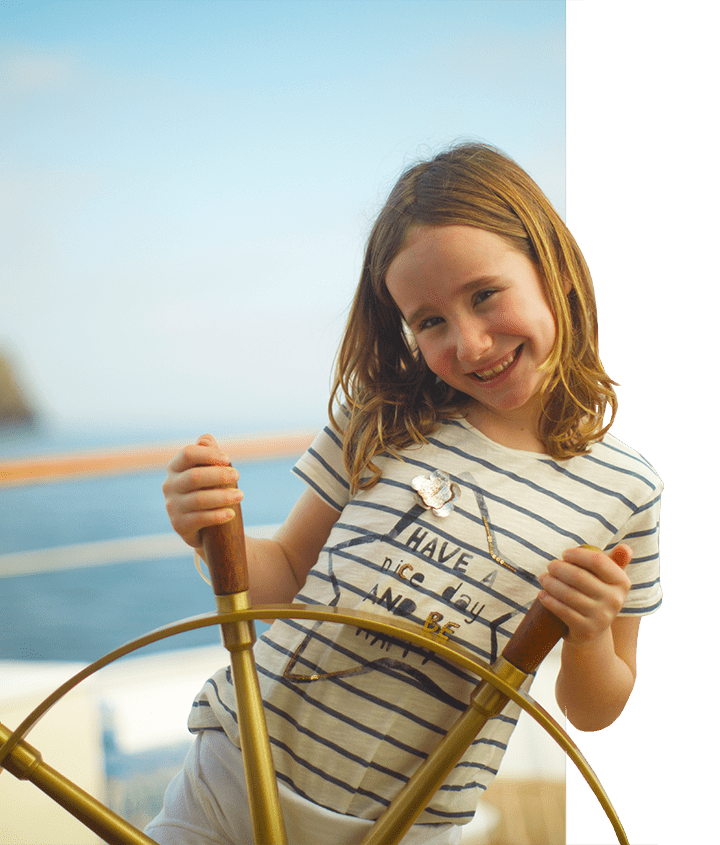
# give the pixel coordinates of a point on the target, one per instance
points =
(206, 804)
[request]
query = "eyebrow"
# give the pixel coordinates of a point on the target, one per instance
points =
(478, 283)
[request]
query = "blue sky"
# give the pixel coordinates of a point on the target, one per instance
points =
(188, 185)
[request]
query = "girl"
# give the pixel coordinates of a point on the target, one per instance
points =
(466, 462)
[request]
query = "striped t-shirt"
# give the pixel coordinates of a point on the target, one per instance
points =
(350, 713)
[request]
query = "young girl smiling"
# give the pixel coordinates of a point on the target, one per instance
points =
(469, 367)
(481, 322)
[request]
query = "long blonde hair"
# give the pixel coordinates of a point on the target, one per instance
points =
(394, 400)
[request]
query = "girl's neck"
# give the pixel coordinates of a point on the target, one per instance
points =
(519, 432)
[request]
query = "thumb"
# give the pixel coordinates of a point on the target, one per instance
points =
(622, 555)
(207, 440)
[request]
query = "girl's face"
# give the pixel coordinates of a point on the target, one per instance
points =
(481, 321)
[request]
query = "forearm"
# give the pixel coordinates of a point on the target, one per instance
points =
(594, 683)
(279, 567)
(272, 577)
(270, 574)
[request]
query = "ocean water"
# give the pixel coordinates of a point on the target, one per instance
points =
(79, 614)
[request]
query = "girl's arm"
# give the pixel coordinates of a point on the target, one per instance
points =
(596, 679)
(586, 590)
(196, 496)
(284, 561)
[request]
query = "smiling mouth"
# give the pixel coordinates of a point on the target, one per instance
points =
(499, 368)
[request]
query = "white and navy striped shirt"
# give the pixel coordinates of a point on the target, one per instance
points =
(351, 714)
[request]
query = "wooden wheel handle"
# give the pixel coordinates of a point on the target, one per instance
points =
(534, 638)
(224, 548)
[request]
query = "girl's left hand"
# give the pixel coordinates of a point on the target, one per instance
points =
(586, 590)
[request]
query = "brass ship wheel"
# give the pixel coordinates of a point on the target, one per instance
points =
(224, 548)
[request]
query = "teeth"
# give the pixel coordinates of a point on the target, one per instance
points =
(497, 369)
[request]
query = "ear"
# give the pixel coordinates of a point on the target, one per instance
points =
(567, 286)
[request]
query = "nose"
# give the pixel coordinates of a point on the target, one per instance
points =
(471, 341)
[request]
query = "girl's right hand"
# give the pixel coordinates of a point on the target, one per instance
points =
(196, 495)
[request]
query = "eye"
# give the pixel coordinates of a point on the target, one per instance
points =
(483, 295)
(429, 323)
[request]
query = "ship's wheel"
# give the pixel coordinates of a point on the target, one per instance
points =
(224, 547)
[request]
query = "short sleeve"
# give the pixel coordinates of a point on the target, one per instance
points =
(642, 533)
(322, 468)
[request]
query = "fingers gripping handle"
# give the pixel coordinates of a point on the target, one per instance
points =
(224, 548)
(535, 636)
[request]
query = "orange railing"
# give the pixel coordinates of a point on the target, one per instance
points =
(21, 471)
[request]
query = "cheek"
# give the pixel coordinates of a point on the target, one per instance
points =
(537, 323)
(550, 329)
(434, 355)
(514, 319)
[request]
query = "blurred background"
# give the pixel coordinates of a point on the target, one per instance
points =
(188, 188)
